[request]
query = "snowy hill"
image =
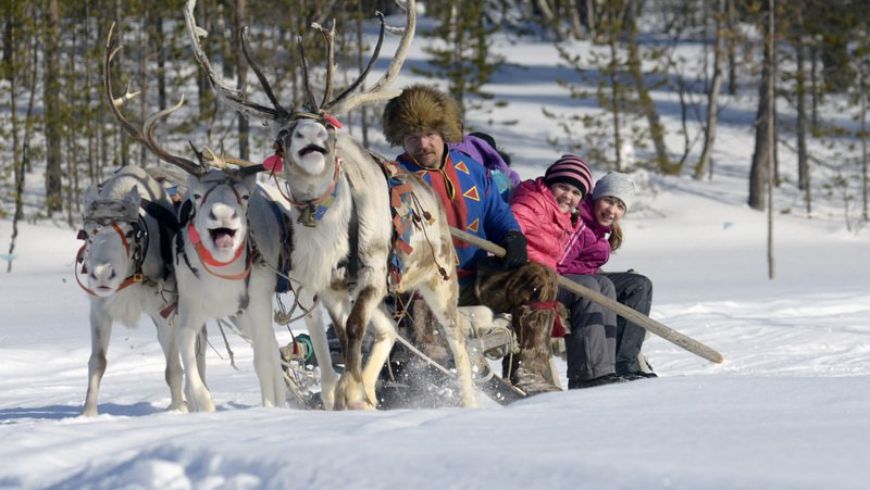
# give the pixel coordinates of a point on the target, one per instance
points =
(787, 409)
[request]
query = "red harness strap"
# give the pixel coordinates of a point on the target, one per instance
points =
(208, 259)
(558, 328)
(129, 281)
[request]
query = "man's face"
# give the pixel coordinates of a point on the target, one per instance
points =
(426, 147)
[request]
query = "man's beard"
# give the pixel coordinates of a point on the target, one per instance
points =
(426, 158)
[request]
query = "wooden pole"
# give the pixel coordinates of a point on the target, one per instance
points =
(629, 314)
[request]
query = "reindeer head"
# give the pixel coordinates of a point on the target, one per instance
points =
(306, 139)
(112, 251)
(218, 207)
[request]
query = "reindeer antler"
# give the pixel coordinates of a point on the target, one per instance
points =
(146, 135)
(189, 166)
(343, 103)
(224, 91)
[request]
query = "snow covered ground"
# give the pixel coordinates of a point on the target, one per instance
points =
(788, 408)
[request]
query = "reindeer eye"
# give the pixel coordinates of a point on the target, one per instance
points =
(112, 275)
(197, 196)
(245, 197)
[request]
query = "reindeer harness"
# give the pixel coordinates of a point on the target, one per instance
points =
(108, 213)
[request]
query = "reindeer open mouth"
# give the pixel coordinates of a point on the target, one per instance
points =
(311, 149)
(222, 237)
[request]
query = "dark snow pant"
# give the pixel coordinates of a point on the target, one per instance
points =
(591, 345)
(635, 291)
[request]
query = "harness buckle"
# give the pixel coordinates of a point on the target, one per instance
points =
(138, 277)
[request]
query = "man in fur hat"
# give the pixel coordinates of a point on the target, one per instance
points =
(422, 120)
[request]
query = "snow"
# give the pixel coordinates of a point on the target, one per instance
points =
(788, 408)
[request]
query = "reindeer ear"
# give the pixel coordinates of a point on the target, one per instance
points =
(250, 183)
(91, 195)
(133, 198)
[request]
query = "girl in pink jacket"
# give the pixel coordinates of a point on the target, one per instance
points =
(546, 207)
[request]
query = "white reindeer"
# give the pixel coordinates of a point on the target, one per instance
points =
(128, 229)
(226, 254)
(339, 193)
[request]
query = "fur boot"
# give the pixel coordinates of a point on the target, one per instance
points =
(522, 292)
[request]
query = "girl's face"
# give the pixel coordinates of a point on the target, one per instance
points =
(567, 196)
(608, 210)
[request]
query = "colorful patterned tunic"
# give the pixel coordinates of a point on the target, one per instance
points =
(471, 201)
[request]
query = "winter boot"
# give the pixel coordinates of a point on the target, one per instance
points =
(530, 370)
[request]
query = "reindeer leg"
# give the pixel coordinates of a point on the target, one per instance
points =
(198, 396)
(328, 376)
(350, 392)
(101, 332)
(201, 347)
(257, 321)
(173, 372)
(442, 297)
(385, 336)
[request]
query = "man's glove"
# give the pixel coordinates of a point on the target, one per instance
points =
(516, 254)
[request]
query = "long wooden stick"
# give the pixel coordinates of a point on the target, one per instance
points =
(629, 314)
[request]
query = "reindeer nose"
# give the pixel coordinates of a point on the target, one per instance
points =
(103, 273)
(220, 212)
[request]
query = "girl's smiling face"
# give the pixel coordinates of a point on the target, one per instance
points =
(608, 210)
(567, 196)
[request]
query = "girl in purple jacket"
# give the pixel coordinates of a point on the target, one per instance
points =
(602, 348)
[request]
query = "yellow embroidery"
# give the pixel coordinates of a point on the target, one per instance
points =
(462, 168)
(474, 225)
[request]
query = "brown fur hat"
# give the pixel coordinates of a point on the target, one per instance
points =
(422, 108)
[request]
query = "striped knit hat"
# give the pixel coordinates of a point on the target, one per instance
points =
(571, 170)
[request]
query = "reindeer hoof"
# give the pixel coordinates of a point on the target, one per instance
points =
(177, 407)
(350, 394)
(200, 402)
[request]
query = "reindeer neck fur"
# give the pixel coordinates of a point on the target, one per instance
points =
(362, 193)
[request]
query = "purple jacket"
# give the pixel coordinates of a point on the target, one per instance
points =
(481, 151)
(588, 249)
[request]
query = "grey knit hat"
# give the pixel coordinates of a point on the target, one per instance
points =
(617, 185)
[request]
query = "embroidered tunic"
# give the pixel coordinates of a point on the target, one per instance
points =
(471, 202)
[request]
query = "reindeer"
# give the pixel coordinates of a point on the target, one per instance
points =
(128, 225)
(226, 253)
(338, 191)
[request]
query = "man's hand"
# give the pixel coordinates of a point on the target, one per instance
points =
(515, 250)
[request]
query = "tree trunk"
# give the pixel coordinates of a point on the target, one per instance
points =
(203, 89)
(703, 166)
(815, 94)
(800, 79)
(242, 73)
(363, 112)
(614, 93)
(157, 43)
(761, 157)
(576, 24)
(52, 114)
(647, 105)
(771, 135)
(864, 163)
(732, 48)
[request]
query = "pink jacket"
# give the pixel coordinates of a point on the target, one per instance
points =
(548, 230)
(588, 249)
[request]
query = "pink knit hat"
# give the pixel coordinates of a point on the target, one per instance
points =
(571, 170)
